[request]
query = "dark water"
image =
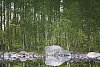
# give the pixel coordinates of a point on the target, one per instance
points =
(31, 25)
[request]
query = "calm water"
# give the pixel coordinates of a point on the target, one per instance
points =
(31, 25)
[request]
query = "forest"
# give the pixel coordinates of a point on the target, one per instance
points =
(30, 25)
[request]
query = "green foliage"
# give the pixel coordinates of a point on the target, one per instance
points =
(32, 24)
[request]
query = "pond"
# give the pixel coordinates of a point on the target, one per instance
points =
(31, 25)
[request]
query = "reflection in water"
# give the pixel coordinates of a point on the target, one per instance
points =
(54, 56)
(57, 55)
(22, 56)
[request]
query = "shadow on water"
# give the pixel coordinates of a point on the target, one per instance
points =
(2, 47)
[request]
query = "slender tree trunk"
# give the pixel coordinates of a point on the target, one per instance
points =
(1, 15)
(4, 14)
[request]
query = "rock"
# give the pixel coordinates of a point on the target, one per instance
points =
(93, 55)
(55, 55)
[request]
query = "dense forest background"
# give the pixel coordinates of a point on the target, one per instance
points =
(31, 25)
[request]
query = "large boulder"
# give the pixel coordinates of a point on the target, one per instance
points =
(55, 55)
